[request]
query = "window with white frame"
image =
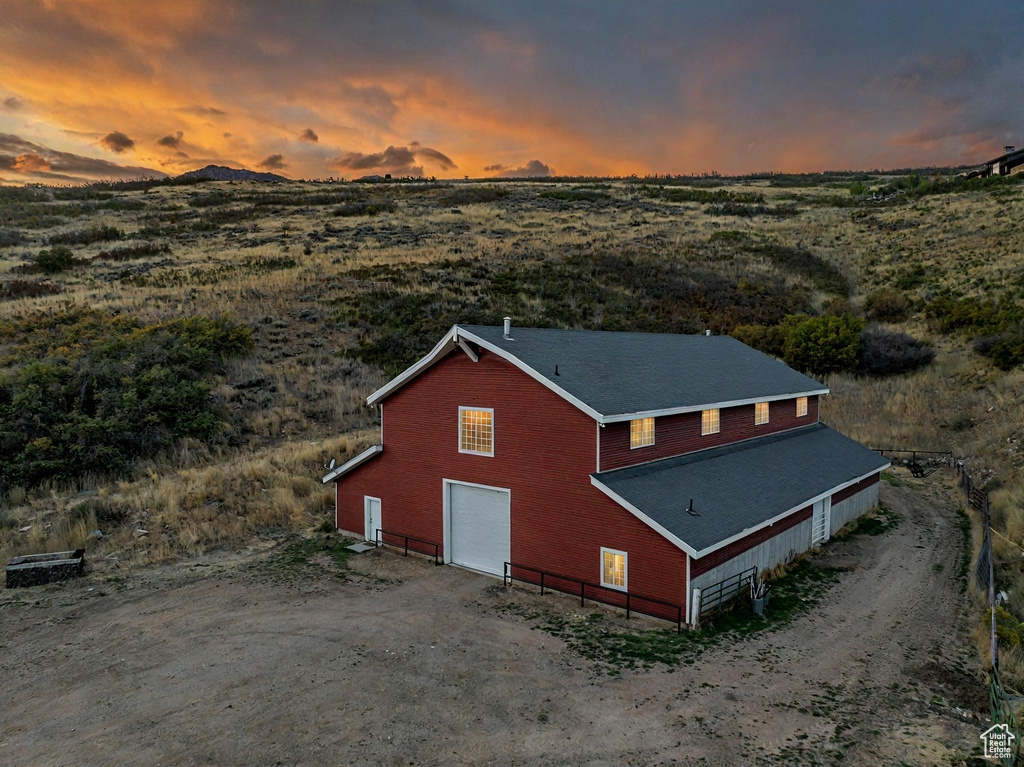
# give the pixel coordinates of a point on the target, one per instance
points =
(801, 406)
(641, 432)
(709, 422)
(476, 430)
(613, 569)
(760, 413)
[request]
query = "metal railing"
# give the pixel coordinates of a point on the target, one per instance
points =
(716, 596)
(935, 459)
(380, 541)
(627, 597)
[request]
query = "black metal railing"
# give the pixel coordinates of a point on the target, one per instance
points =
(919, 467)
(625, 599)
(716, 596)
(379, 540)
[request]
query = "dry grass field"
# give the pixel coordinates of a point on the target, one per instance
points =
(341, 285)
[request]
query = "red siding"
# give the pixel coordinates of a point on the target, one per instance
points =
(852, 490)
(678, 434)
(545, 450)
(724, 554)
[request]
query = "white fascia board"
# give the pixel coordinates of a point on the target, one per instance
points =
(709, 406)
(438, 351)
(544, 380)
(783, 515)
(349, 465)
(641, 516)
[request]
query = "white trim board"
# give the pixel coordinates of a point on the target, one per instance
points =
(457, 336)
(679, 542)
(349, 465)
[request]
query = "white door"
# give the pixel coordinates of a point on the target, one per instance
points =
(820, 521)
(372, 515)
(480, 527)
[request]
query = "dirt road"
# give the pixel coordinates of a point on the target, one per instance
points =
(414, 665)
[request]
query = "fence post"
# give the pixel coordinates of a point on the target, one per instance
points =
(991, 584)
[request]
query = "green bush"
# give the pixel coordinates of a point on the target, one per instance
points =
(887, 306)
(58, 259)
(822, 345)
(89, 393)
(10, 237)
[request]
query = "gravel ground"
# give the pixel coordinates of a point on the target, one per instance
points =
(229, 662)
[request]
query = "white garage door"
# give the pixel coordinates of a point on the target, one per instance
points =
(480, 528)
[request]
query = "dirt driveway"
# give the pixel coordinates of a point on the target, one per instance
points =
(414, 665)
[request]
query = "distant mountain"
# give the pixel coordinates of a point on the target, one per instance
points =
(223, 173)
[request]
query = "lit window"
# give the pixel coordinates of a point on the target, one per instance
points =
(476, 431)
(801, 406)
(613, 569)
(709, 423)
(641, 432)
(760, 413)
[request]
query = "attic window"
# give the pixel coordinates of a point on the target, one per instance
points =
(641, 432)
(709, 422)
(760, 413)
(476, 431)
(801, 406)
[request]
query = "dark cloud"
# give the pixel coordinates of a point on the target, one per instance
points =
(13, 103)
(441, 159)
(201, 111)
(309, 135)
(274, 162)
(532, 169)
(397, 160)
(117, 142)
(497, 166)
(41, 162)
(171, 140)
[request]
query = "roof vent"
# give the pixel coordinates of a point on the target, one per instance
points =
(508, 329)
(707, 332)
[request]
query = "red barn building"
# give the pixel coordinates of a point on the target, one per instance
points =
(650, 464)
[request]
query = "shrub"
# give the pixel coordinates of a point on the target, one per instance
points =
(56, 260)
(364, 208)
(28, 289)
(816, 345)
(822, 345)
(95, 392)
(86, 236)
(888, 352)
(887, 306)
(1006, 350)
(11, 237)
(143, 250)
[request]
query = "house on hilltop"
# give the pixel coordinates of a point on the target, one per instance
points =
(1011, 161)
(649, 464)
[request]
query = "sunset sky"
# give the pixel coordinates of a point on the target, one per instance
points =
(120, 88)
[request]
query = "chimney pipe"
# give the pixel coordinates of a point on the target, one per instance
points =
(707, 332)
(508, 328)
(1007, 149)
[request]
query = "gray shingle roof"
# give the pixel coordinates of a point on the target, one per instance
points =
(738, 487)
(619, 373)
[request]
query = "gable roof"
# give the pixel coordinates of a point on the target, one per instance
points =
(616, 376)
(739, 488)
